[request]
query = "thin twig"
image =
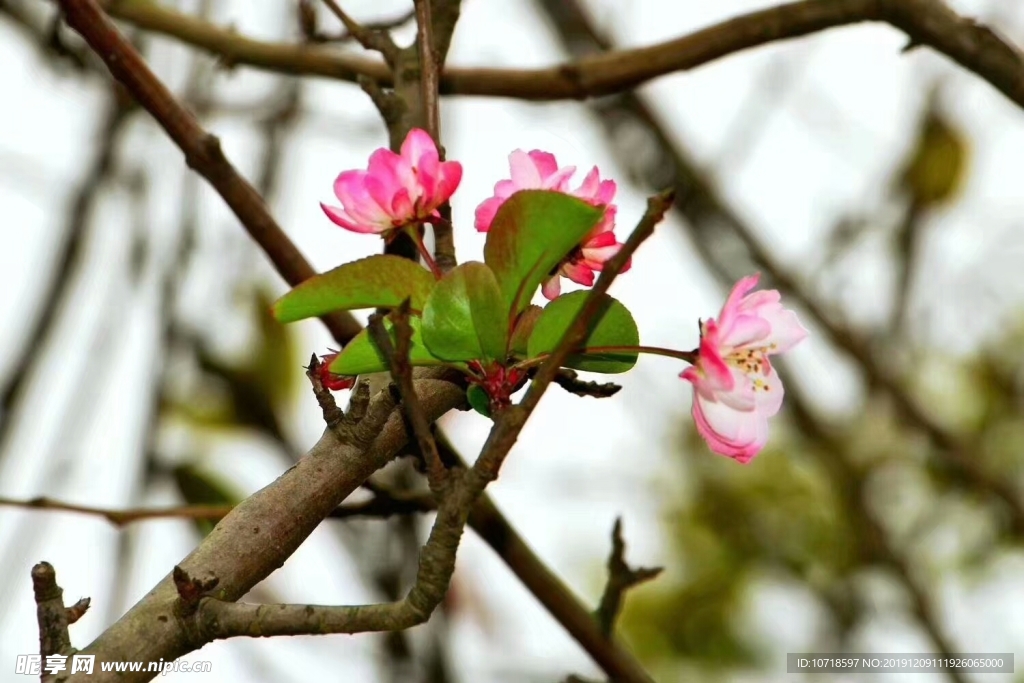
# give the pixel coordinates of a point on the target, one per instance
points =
(382, 25)
(202, 150)
(621, 577)
(383, 504)
(401, 372)
(369, 38)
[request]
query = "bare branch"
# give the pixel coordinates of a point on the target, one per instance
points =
(383, 25)
(401, 373)
(202, 150)
(621, 577)
(926, 22)
(383, 504)
(50, 611)
(371, 39)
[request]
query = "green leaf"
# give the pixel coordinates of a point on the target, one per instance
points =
(523, 330)
(381, 281)
(361, 355)
(531, 234)
(479, 400)
(612, 326)
(463, 318)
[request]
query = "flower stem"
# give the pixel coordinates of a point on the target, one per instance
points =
(688, 356)
(414, 233)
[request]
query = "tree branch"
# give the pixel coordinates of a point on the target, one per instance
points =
(369, 38)
(384, 504)
(261, 532)
(401, 373)
(50, 611)
(621, 577)
(926, 22)
(430, 68)
(202, 150)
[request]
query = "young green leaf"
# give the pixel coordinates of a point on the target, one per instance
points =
(530, 235)
(612, 326)
(479, 400)
(381, 281)
(362, 356)
(463, 318)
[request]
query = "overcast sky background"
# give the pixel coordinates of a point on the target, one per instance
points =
(828, 139)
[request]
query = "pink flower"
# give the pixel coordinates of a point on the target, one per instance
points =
(735, 388)
(538, 170)
(397, 189)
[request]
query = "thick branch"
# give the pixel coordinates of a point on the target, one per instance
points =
(926, 22)
(260, 533)
(222, 619)
(202, 150)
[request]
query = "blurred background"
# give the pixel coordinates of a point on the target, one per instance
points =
(879, 191)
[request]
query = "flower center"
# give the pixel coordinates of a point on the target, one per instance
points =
(754, 364)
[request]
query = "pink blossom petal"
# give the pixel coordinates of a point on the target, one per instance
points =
(418, 146)
(552, 288)
(588, 188)
(428, 174)
(787, 331)
(599, 239)
(383, 195)
(486, 211)
(733, 303)
(350, 188)
(769, 396)
(736, 434)
(595, 190)
(596, 258)
(384, 165)
(402, 207)
(578, 273)
(524, 170)
(742, 396)
(558, 181)
(544, 162)
(449, 177)
(744, 330)
(339, 217)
